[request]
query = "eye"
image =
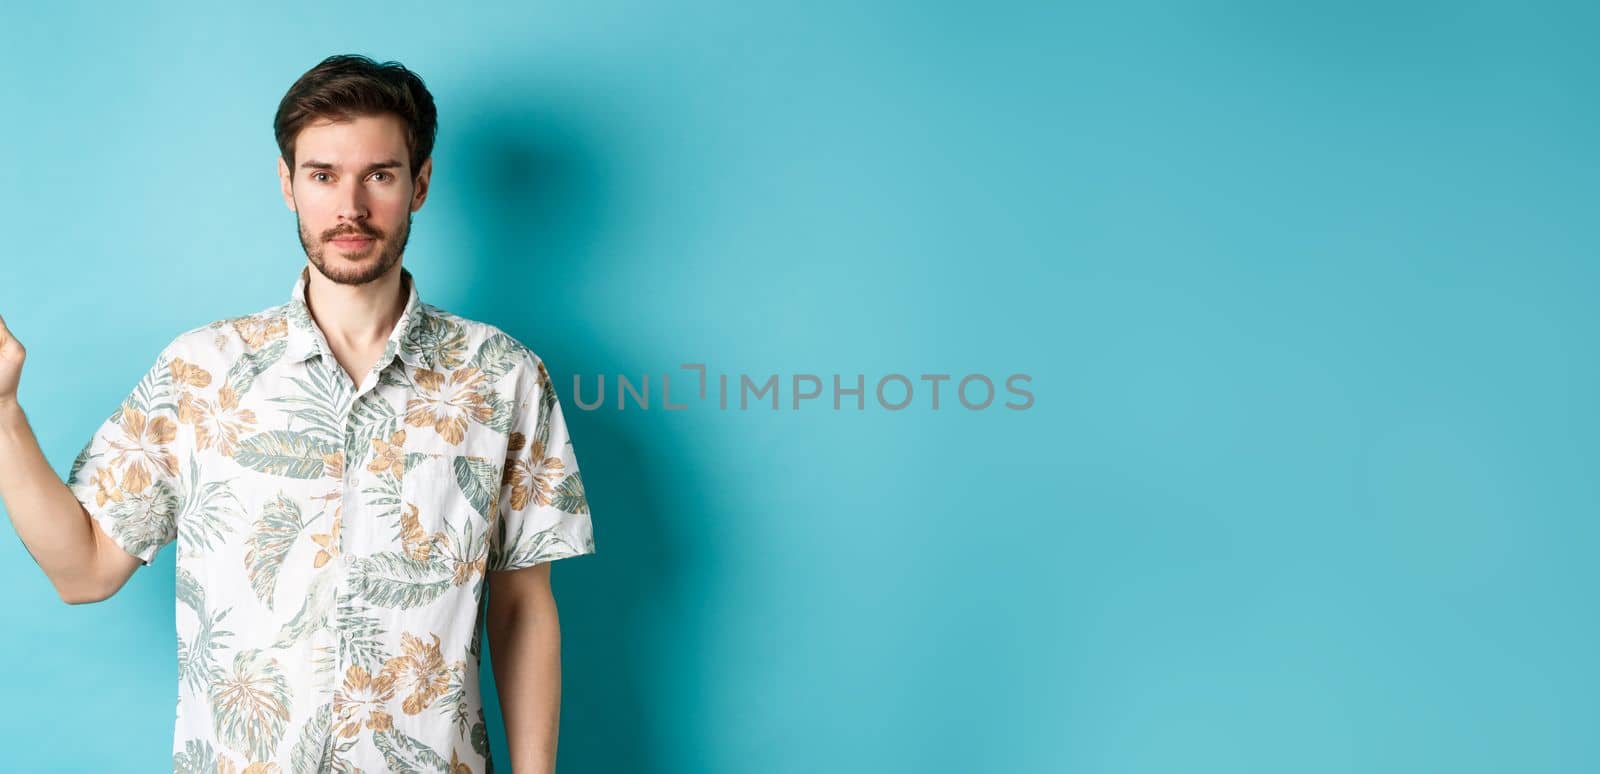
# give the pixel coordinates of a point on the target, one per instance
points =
(384, 174)
(314, 175)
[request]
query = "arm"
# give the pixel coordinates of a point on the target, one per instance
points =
(525, 652)
(77, 556)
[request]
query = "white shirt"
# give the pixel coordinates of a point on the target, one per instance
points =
(333, 537)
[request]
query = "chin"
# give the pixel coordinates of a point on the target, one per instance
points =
(358, 270)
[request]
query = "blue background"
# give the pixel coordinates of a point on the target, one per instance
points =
(1306, 293)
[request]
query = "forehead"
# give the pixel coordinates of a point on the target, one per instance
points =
(355, 142)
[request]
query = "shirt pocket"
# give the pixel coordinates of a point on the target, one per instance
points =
(447, 504)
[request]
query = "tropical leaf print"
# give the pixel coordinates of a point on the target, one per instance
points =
(197, 659)
(144, 519)
(190, 592)
(501, 412)
(384, 497)
(395, 580)
(547, 405)
(242, 375)
(442, 343)
(413, 459)
(275, 533)
(541, 546)
(479, 481)
(250, 705)
(480, 735)
(569, 495)
(454, 699)
(371, 419)
(309, 751)
(79, 461)
(305, 643)
(467, 553)
(497, 355)
(394, 377)
(313, 613)
(197, 757)
(316, 404)
(153, 394)
(405, 754)
(208, 515)
(285, 453)
(360, 636)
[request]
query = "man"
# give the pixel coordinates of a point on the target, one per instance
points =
(343, 473)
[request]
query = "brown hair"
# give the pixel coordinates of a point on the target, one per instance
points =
(346, 86)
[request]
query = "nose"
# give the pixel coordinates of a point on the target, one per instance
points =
(352, 203)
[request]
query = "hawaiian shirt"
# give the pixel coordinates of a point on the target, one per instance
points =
(333, 536)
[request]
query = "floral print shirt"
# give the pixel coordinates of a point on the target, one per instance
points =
(333, 536)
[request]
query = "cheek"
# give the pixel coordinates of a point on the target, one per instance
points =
(392, 210)
(313, 205)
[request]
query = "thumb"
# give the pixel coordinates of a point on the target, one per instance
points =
(8, 342)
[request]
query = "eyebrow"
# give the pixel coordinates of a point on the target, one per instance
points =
(314, 164)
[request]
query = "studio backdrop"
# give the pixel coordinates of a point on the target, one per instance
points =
(1011, 387)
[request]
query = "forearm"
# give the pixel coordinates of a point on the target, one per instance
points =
(525, 652)
(46, 515)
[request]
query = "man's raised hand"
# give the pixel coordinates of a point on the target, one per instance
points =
(11, 355)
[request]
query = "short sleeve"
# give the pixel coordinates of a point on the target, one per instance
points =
(543, 512)
(127, 475)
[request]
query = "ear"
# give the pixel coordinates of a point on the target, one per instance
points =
(423, 175)
(286, 182)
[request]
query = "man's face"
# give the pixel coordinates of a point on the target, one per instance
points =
(353, 191)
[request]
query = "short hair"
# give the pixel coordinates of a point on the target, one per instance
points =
(347, 86)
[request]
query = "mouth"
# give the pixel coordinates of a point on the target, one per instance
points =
(352, 244)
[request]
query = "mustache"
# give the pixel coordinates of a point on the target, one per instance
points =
(370, 232)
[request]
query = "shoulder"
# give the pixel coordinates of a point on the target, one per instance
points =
(450, 341)
(227, 339)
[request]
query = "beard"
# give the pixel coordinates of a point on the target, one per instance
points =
(366, 269)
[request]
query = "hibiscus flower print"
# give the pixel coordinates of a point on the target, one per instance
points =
(328, 542)
(418, 544)
(258, 330)
(361, 701)
(187, 374)
(106, 489)
(389, 455)
(447, 403)
(532, 478)
(218, 423)
(144, 450)
(304, 643)
(421, 670)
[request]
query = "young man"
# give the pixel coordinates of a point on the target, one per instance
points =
(344, 474)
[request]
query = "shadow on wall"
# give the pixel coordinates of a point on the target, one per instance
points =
(532, 190)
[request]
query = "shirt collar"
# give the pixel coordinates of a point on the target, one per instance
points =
(305, 339)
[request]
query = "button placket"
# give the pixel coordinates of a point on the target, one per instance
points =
(341, 564)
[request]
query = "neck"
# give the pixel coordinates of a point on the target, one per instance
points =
(355, 317)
